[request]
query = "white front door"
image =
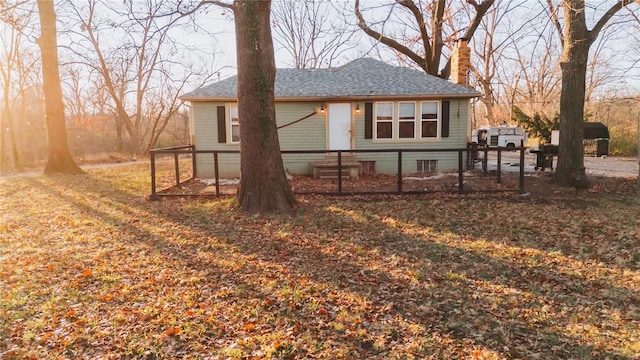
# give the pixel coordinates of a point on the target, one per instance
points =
(340, 126)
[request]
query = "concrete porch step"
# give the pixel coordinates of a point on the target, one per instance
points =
(328, 168)
(333, 173)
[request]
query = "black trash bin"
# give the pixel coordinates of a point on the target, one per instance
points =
(602, 147)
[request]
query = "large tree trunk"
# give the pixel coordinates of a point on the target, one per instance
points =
(570, 150)
(60, 159)
(119, 130)
(263, 187)
(576, 41)
(573, 64)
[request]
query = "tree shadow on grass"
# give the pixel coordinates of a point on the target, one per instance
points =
(386, 288)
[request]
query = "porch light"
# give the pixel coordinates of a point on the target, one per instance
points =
(322, 109)
(357, 108)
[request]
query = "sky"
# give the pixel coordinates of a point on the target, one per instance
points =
(220, 22)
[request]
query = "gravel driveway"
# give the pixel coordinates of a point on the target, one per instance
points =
(603, 166)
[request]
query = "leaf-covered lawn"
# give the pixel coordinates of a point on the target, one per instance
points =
(90, 269)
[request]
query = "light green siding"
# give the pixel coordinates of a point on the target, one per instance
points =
(307, 134)
(447, 161)
(205, 123)
(311, 134)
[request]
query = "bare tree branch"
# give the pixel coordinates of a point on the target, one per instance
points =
(593, 34)
(429, 56)
(426, 40)
(553, 13)
(137, 69)
(388, 41)
(308, 32)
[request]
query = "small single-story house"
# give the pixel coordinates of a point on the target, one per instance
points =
(365, 104)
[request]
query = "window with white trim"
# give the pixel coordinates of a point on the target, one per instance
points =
(384, 120)
(406, 120)
(429, 119)
(234, 125)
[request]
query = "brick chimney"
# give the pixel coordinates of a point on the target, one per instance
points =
(461, 62)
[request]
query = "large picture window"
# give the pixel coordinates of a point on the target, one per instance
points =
(234, 124)
(429, 118)
(384, 120)
(406, 120)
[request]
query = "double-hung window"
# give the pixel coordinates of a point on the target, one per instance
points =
(429, 118)
(406, 120)
(234, 124)
(384, 120)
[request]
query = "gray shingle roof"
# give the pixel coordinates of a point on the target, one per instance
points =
(359, 78)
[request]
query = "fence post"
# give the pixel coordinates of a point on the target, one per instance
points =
(460, 173)
(522, 148)
(339, 172)
(485, 161)
(399, 171)
(193, 161)
(177, 166)
(499, 167)
(153, 175)
(216, 177)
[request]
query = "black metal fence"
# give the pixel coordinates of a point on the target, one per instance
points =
(471, 153)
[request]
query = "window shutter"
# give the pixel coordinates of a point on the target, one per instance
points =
(368, 120)
(222, 125)
(445, 119)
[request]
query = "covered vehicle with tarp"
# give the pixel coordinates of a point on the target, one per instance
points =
(596, 139)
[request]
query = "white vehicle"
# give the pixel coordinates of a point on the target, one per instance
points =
(499, 136)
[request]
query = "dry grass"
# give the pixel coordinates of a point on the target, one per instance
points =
(90, 269)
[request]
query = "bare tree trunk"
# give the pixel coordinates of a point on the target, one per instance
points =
(4, 163)
(119, 132)
(6, 123)
(264, 187)
(576, 40)
(17, 164)
(570, 149)
(60, 159)
(573, 64)
(487, 100)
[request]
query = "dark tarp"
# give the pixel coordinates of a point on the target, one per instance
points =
(595, 130)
